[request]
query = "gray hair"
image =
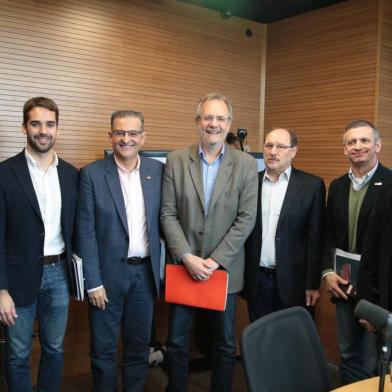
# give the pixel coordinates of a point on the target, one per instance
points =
(362, 123)
(214, 97)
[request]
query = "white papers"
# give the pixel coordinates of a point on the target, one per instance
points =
(78, 280)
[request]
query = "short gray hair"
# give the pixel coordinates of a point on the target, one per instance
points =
(363, 123)
(214, 97)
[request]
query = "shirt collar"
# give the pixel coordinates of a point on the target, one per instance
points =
(202, 154)
(285, 175)
(125, 170)
(34, 163)
(359, 183)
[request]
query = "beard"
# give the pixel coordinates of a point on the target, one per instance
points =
(34, 143)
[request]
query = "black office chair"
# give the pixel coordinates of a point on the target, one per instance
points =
(282, 352)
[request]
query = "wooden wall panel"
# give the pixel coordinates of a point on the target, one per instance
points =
(320, 74)
(384, 92)
(93, 57)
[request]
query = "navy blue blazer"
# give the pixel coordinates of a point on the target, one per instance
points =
(298, 239)
(22, 229)
(102, 229)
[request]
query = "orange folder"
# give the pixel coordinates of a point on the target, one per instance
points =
(182, 289)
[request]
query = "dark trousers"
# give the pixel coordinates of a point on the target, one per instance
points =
(224, 350)
(132, 310)
(267, 299)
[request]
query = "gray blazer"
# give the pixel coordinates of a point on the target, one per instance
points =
(102, 229)
(231, 216)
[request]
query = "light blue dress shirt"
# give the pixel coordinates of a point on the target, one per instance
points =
(209, 171)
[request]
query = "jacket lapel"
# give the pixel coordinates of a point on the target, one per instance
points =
(196, 175)
(113, 181)
(22, 173)
(62, 175)
(293, 188)
(375, 184)
(222, 177)
(259, 201)
(145, 178)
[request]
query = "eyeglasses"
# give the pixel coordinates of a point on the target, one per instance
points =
(352, 142)
(132, 134)
(279, 147)
(210, 118)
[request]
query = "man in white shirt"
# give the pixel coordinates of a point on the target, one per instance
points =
(118, 240)
(351, 198)
(38, 194)
(283, 252)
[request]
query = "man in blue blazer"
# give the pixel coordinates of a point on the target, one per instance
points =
(38, 194)
(118, 240)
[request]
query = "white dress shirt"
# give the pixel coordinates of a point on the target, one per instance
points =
(47, 189)
(272, 196)
(136, 212)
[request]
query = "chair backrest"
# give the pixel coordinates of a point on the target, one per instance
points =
(282, 352)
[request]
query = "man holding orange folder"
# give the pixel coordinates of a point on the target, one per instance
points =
(209, 203)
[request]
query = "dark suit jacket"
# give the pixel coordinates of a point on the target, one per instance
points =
(337, 213)
(374, 278)
(22, 230)
(298, 240)
(231, 216)
(102, 228)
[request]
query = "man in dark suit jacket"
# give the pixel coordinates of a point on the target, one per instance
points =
(375, 272)
(38, 194)
(118, 240)
(283, 252)
(350, 202)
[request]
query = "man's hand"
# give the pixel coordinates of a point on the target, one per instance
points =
(332, 282)
(197, 267)
(7, 309)
(98, 298)
(211, 264)
(312, 297)
(369, 326)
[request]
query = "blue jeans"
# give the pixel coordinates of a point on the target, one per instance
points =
(224, 350)
(51, 307)
(358, 347)
(132, 310)
(267, 299)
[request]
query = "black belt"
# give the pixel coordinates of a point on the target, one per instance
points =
(137, 260)
(54, 259)
(268, 271)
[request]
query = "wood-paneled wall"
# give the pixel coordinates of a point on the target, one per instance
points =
(324, 69)
(383, 114)
(320, 74)
(93, 57)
